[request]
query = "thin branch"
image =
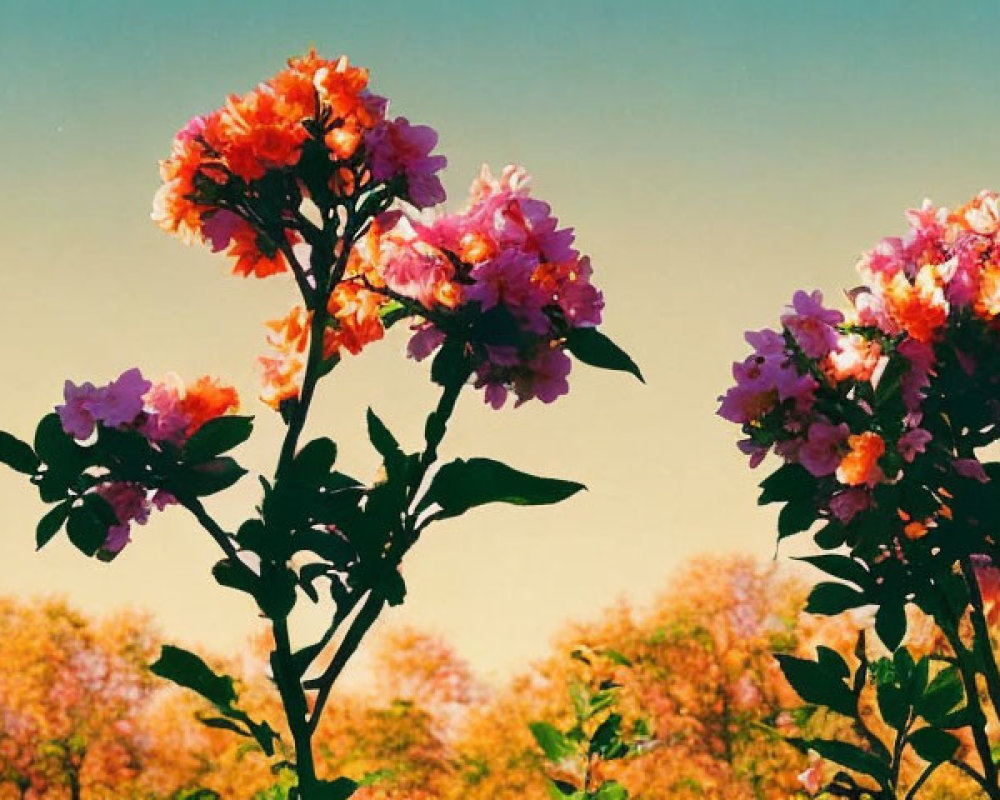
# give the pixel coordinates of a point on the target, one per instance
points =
(324, 683)
(223, 539)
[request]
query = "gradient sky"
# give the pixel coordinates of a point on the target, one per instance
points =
(712, 156)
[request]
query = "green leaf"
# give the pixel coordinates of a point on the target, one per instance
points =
(933, 745)
(226, 573)
(831, 661)
(555, 746)
(382, 440)
(615, 657)
(829, 599)
(788, 482)
(612, 790)
(464, 484)
(847, 755)
(391, 313)
(188, 670)
(451, 365)
(340, 789)
(314, 461)
(217, 436)
(213, 476)
(892, 704)
(942, 695)
(890, 623)
(815, 683)
(843, 567)
(52, 443)
(50, 524)
(606, 741)
(17, 455)
(592, 347)
(87, 524)
(795, 517)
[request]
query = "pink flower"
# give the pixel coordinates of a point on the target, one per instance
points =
(399, 148)
(823, 448)
(812, 778)
(545, 377)
(970, 468)
(921, 358)
(912, 443)
(811, 324)
(845, 505)
(506, 280)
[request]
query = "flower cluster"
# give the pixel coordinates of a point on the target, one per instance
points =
(236, 178)
(904, 385)
(166, 413)
(504, 276)
(501, 275)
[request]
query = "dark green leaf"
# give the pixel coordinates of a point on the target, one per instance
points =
(847, 755)
(382, 440)
(890, 623)
(795, 517)
(831, 661)
(461, 485)
(606, 741)
(224, 723)
(392, 587)
(450, 366)
(188, 670)
(87, 524)
(592, 347)
(340, 789)
(50, 524)
(833, 598)
(816, 684)
(787, 483)
(226, 573)
(217, 436)
(942, 695)
(893, 705)
(314, 461)
(933, 745)
(843, 567)
(555, 746)
(213, 476)
(17, 455)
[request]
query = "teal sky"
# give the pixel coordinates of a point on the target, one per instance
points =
(713, 156)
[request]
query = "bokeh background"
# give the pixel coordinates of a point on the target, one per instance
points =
(713, 157)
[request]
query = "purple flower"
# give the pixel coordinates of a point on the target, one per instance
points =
(821, 452)
(846, 505)
(121, 401)
(912, 443)
(970, 468)
(76, 417)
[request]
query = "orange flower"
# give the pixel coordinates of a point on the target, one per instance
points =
(856, 359)
(860, 466)
(281, 373)
(355, 311)
(987, 303)
(919, 308)
(250, 260)
(206, 399)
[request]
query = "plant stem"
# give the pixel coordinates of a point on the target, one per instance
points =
(949, 625)
(359, 628)
(294, 701)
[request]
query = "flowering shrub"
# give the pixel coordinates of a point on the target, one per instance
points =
(879, 415)
(307, 175)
